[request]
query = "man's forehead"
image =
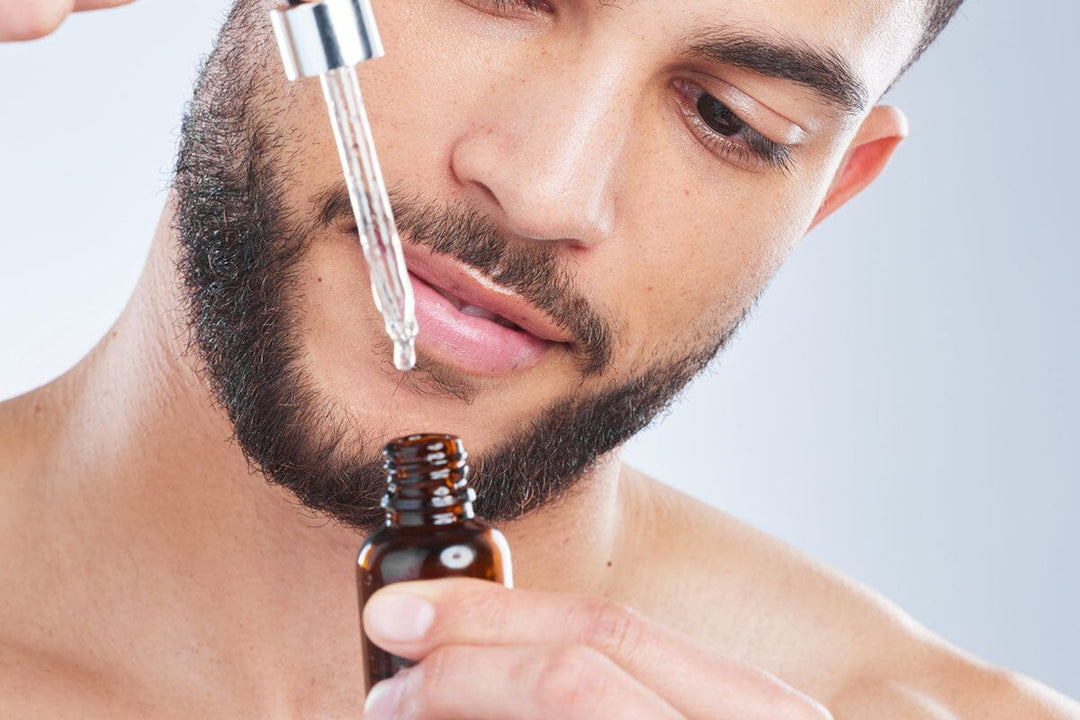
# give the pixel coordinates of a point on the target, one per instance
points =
(872, 39)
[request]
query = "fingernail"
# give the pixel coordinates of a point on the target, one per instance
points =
(398, 617)
(382, 701)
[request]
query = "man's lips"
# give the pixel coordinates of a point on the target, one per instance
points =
(474, 323)
(470, 291)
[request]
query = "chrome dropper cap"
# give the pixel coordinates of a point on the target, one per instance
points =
(316, 37)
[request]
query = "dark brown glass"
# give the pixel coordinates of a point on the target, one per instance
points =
(431, 531)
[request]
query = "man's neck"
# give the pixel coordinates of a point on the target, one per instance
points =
(227, 579)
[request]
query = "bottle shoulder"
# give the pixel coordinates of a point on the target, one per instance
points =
(469, 548)
(474, 530)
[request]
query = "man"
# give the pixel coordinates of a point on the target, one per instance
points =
(535, 148)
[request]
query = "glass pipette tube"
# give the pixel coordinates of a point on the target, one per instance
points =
(379, 237)
(328, 38)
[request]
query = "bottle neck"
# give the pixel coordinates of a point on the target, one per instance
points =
(428, 482)
(431, 504)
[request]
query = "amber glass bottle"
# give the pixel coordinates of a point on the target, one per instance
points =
(431, 531)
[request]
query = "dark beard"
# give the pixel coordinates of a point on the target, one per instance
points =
(239, 255)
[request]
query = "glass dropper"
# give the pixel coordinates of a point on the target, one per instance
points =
(327, 39)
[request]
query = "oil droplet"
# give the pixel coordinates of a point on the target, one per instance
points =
(405, 354)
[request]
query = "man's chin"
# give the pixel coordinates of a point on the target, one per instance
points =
(372, 402)
(437, 379)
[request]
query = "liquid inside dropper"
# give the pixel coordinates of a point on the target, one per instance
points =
(390, 282)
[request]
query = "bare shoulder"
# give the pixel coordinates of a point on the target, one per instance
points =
(19, 462)
(754, 597)
(33, 682)
(39, 676)
(949, 687)
(24, 440)
(24, 458)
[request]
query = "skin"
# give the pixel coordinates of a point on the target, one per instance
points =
(31, 20)
(158, 575)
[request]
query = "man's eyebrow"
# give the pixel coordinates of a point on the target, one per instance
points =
(823, 71)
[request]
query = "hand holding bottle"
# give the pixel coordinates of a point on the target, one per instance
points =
(32, 19)
(485, 651)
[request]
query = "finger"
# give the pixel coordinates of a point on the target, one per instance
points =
(413, 619)
(81, 5)
(515, 683)
(22, 20)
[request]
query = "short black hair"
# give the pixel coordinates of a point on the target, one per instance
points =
(938, 15)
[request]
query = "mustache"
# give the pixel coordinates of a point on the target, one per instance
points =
(532, 269)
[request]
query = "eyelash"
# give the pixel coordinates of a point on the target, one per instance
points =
(505, 6)
(755, 150)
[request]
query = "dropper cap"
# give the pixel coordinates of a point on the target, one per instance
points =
(317, 37)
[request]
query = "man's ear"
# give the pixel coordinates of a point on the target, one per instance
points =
(882, 130)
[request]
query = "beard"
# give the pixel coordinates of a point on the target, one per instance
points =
(239, 258)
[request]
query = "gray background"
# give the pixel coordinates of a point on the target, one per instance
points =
(903, 405)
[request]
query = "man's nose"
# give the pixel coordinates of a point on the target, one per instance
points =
(542, 151)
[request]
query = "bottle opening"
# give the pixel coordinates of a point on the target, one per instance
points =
(418, 456)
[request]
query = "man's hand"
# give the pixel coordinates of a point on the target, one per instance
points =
(31, 19)
(489, 653)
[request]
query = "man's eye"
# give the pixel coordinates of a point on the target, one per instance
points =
(719, 116)
(727, 135)
(508, 6)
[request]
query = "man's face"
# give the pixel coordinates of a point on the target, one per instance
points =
(621, 178)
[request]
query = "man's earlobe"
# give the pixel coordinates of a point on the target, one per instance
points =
(874, 143)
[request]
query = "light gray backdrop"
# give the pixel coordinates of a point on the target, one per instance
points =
(903, 405)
